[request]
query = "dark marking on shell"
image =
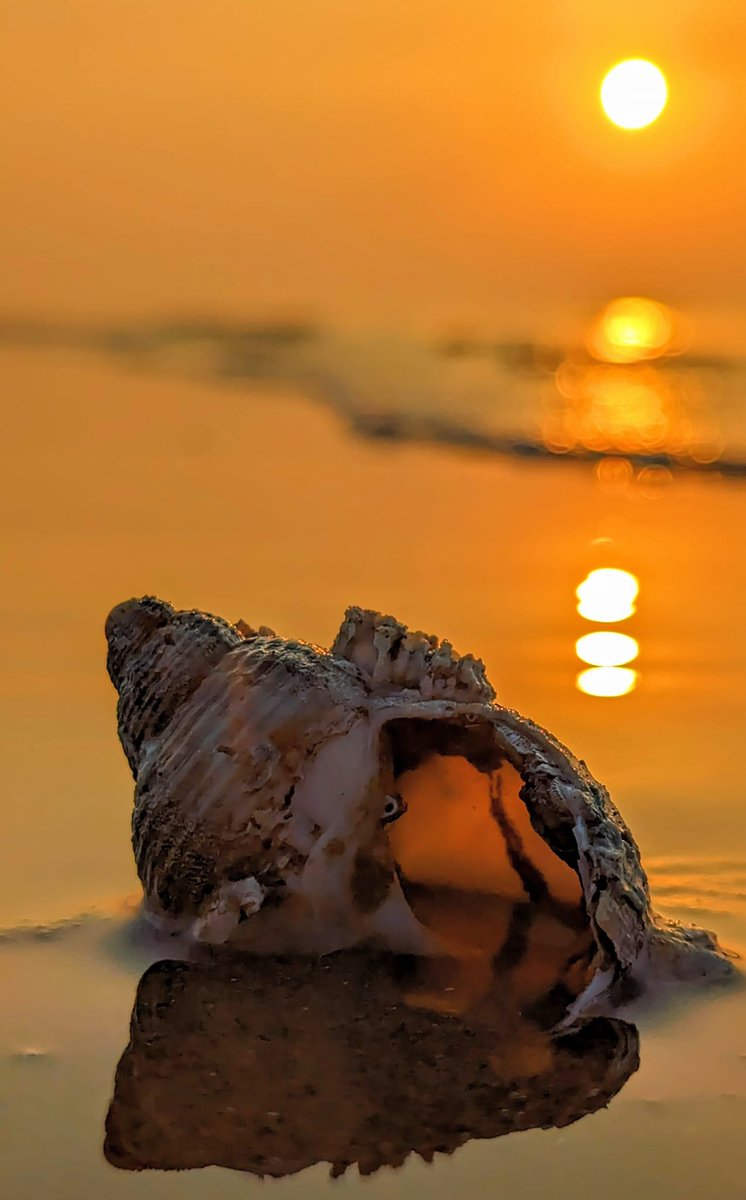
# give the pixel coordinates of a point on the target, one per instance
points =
(372, 879)
(530, 876)
(334, 848)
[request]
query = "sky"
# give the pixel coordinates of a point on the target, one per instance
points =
(365, 162)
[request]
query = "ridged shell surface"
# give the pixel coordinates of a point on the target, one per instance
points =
(266, 770)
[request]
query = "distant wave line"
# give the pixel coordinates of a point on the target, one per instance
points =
(435, 431)
(286, 351)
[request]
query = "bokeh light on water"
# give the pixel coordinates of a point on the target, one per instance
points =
(631, 390)
(618, 409)
(629, 329)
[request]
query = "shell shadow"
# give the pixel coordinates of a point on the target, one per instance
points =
(269, 1066)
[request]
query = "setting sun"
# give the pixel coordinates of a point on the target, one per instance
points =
(634, 93)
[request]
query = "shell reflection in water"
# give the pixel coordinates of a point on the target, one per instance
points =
(270, 1066)
(291, 799)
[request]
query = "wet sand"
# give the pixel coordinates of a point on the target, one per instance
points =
(256, 504)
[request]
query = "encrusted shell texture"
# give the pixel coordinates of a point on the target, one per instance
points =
(267, 771)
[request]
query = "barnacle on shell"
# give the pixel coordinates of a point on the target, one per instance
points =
(268, 773)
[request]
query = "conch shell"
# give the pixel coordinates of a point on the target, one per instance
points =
(295, 799)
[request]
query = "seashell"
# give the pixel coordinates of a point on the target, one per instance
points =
(294, 799)
(352, 1074)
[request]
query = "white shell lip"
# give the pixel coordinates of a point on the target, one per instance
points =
(263, 766)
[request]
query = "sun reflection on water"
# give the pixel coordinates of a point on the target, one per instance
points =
(623, 393)
(605, 649)
(617, 409)
(629, 329)
(607, 595)
(607, 682)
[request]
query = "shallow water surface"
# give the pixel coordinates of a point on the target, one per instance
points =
(255, 503)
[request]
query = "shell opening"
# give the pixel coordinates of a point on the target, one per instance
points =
(471, 864)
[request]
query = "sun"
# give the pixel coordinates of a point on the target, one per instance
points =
(634, 93)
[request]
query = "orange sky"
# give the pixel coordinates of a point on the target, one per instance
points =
(393, 161)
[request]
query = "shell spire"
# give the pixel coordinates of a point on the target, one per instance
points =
(157, 659)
